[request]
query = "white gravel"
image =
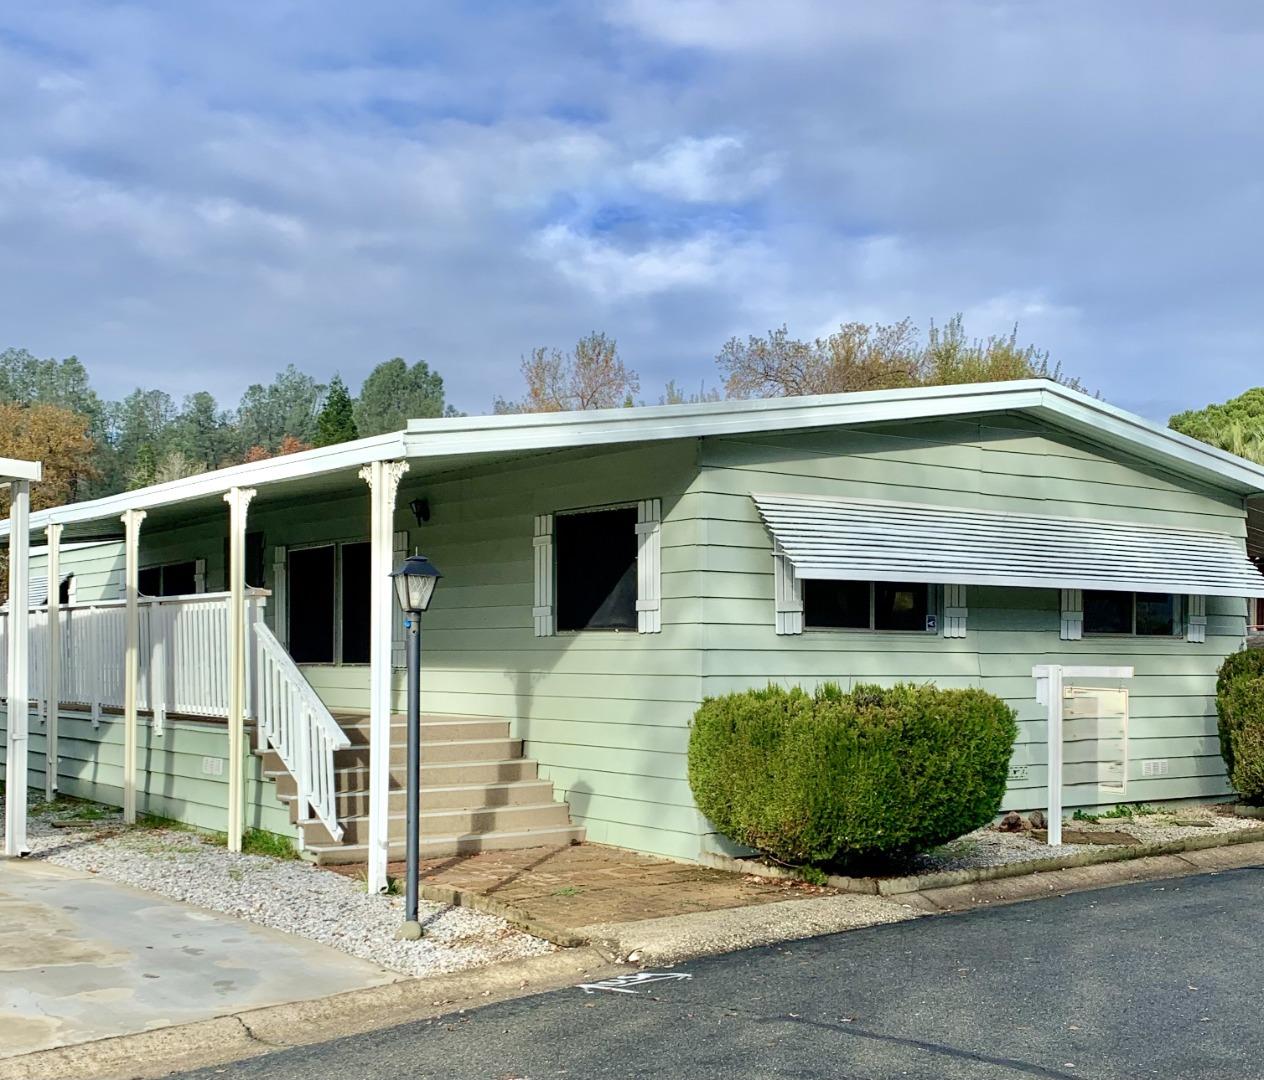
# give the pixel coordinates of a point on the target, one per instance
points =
(286, 894)
(991, 847)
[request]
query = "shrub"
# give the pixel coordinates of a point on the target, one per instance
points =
(1240, 707)
(830, 778)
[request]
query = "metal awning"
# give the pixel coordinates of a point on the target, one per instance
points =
(862, 539)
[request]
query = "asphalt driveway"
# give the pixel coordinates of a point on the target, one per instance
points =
(83, 958)
(1162, 979)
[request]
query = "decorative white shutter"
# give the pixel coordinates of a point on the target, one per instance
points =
(542, 612)
(649, 566)
(955, 611)
(789, 593)
(1072, 614)
(280, 608)
(399, 552)
(1196, 619)
(199, 575)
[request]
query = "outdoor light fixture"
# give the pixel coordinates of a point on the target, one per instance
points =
(415, 583)
(421, 510)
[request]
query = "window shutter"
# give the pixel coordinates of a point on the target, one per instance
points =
(649, 566)
(199, 575)
(542, 612)
(280, 609)
(399, 552)
(1196, 618)
(955, 611)
(1072, 614)
(789, 593)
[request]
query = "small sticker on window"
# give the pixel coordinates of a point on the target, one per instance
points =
(932, 622)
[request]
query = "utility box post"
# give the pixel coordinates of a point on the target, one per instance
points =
(1051, 692)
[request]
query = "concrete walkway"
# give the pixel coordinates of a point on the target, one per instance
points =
(83, 958)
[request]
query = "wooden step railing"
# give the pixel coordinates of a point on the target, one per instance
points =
(295, 723)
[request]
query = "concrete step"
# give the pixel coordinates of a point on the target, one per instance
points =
(433, 729)
(451, 822)
(436, 846)
(354, 778)
(459, 797)
(453, 751)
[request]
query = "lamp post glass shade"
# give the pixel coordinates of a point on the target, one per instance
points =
(415, 583)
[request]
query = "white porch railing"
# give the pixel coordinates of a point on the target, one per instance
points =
(296, 724)
(183, 654)
(183, 648)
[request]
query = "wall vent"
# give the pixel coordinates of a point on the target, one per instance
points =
(1018, 772)
(1156, 767)
(212, 766)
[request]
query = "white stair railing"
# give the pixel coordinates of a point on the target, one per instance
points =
(295, 723)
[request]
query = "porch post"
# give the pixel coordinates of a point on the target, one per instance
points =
(238, 500)
(52, 693)
(19, 718)
(131, 657)
(383, 480)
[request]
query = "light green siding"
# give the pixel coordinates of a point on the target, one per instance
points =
(1006, 464)
(176, 770)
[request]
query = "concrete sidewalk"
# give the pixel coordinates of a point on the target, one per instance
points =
(82, 958)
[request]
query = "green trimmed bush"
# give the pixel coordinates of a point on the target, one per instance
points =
(831, 778)
(1240, 707)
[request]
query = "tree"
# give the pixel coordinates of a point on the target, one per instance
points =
(394, 393)
(674, 395)
(591, 376)
(288, 445)
(55, 436)
(1236, 426)
(203, 432)
(336, 421)
(286, 406)
(860, 356)
(142, 419)
(175, 464)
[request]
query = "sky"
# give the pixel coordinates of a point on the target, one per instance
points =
(194, 195)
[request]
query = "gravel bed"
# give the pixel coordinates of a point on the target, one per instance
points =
(286, 894)
(990, 847)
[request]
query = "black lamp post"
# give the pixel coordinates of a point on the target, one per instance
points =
(415, 583)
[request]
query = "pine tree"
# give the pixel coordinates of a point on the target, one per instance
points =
(336, 422)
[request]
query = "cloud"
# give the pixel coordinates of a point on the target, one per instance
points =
(193, 197)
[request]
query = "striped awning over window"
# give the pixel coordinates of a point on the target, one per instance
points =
(859, 539)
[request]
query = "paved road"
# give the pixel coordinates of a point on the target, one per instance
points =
(1163, 979)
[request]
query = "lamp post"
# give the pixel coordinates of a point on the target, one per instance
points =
(415, 583)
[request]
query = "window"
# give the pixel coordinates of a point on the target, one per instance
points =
(866, 605)
(1144, 614)
(596, 569)
(171, 579)
(310, 577)
(328, 599)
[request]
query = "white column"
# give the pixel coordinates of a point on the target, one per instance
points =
(1053, 812)
(19, 716)
(131, 656)
(383, 480)
(52, 691)
(238, 500)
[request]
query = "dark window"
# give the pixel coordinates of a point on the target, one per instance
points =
(63, 592)
(865, 605)
(355, 603)
(1147, 614)
(173, 579)
(596, 570)
(254, 560)
(310, 589)
(149, 581)
(842, 605)
(900, 605)
(1107, 612)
